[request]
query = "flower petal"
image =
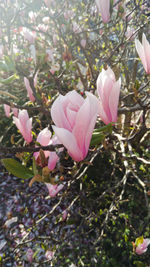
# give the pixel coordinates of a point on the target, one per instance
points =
(58, 115)
(146, 46)
(69, 141)
(140, 51)
(114, 99)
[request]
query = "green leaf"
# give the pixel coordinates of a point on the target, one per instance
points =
(104, 129)
(9, 79)
(139, 241)
(16, 168)
(10, 63)
(139, 264)
(100, 133)
(97, 138)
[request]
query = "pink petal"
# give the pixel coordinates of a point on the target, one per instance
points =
(104, 7)
(75, 98)
(58, 115)
(15, 112)
(85, 116)
(69, 141)
(146, 242)
(53, 158)
(140, 51)
(29, 90)
(146, 47)
(54, 189)
(83, 43)
(35, 78)
(18, 124)
(7, 110)
(23, 117)
(27, 131)
(102, 114)
(44, 137)
(71, 116)
(114, 99)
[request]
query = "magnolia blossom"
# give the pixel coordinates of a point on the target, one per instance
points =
(24, 124)
(53, 158)
(144, 52)
(44, 139)
(104, 8)
(46, 20)
(49, 254)
(7, 110)
(54, 67)
(64, 215)
(42, 27)
(75, 118)
(108, 90)
(28, 87)
(28, 35)
(83, 43)
(142, 247)
(32, 16)
(15, 112)
(29, 255)
(54, 189)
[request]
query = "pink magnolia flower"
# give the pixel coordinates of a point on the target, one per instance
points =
(15, 112)
(104, 8)
(29, 255)
(7, 110)
(64, 215)
(54, 67)
(49, 254)
(142, 248)
(83, 43)
(28, 87)
(28, 35)
(75, 118)
(53, 158)
(42, 27)
(46, 20)
(54, 189)
(24, 124)
(32, 16)
(44, 139)
(108, 90)
(144, 52)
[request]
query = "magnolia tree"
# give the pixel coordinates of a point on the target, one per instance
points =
(74, 95)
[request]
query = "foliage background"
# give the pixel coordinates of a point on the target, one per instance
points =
(107, 200)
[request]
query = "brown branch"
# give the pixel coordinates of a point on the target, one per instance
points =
(14, 150)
